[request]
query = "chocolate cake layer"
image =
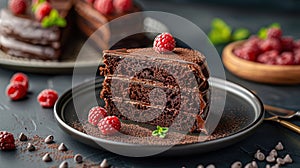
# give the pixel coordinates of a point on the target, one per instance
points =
(23, 36)
(177, 120)
(159, 89)
(153, 93)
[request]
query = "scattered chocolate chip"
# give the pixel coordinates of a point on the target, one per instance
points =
(64, 164)
(23, 137)
(259, 156)
(78, 158)
(268, 166)
(254, 164)
(280, 161)
(210, 166)
(270, 159)
(62, 147)
(279, 146)
(49, 139)
(200, 166)
(288, 159)
(248, 165)
(273, 153)
(104, 164)
(30, 147)
(237, 164)
(47, 158)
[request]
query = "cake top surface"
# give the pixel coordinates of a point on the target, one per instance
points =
(178, 54)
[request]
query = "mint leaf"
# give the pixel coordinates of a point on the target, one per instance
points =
(160, 131)
(61, 22)
(240, 34)
(54, 20)
(220, 32)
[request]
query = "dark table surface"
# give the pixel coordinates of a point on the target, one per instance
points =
(28, 117)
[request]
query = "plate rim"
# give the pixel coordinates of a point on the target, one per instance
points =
(232, 137)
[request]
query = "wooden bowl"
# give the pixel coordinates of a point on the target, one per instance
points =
(258, 72)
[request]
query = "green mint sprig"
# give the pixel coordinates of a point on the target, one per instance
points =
(53, 19)
(262, 32)
(160, 132)
(222, 33)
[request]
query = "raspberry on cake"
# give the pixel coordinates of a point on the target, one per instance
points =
(35, 35)
(144, 86)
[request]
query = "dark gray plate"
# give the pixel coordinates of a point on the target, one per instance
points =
(243, 112)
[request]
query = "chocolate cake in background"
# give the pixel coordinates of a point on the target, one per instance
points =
(169, 90)
(21, 35)
(89, 20)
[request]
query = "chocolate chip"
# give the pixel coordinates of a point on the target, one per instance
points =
(64, 164)
(268, 166)
(280, 161)
(288, 159)
(254, 164)
(248, 165)
(279, 146)
(47, 158)
(23, 137)
(104, 164)
(200, 166)
(270, 159)
(237, 164)
(62, 147)
(210, 166)
(78, 158)
(260, 156)
(273, 153)
(30, 147)
(49, 139)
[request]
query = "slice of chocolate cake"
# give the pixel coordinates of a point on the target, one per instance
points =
(22, 35)
(169, 90)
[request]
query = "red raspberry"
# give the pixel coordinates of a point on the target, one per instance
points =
(96, 114)
(274, 33)
(17, 6)
(286, 58)
(109, 125)
(270, 44)
(247, 53)
(287, 43)
(47, 98)
(21, 78)
(104, 6)
(268, 57)
(7, 141)
(123, 5)
(43, 10)
(16, 91)
(164, 43)
(297, 56)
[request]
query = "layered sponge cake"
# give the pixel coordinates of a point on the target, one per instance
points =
(23, 35)
(167, 90)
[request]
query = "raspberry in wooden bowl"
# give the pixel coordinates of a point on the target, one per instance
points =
(274, 60)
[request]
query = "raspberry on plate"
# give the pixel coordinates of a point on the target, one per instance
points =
(16, 91)
(270, 44)
(109, 125)
(286, 58)
(274, 33)
(123, 5)
(96, 114)
(17, 6)
(47, 98)
(164, 43)
(287, 43)
(43, 10)
(7, 141)
(268, 57)
(104, 6)
(22, 78)
(247, 53)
